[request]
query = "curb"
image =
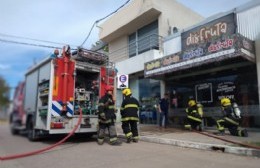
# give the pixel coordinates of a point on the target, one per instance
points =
(202, 146)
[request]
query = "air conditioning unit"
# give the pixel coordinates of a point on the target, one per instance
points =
(172, 30)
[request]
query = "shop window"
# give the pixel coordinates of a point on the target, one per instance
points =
(132, 45)
(149, 94)
(203, 93)
(240, 85)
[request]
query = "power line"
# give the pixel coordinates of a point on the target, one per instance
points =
(45, 41)
(101, 20)
(26, 38)
(31, 44)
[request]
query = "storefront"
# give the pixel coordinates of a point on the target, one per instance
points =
(215, 61)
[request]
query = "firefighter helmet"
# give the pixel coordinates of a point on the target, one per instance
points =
(191, 103)
(109, 88)
(225, 101)
(126, 92)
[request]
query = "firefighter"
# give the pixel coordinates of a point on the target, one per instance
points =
(194, 115)
(230, 119)
(107, 117)
(129, 112)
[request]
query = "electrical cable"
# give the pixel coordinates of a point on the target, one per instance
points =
(45, 41)
(88, 34)
(31, 44)
(2, 158)
(97, 21)
(32, 39)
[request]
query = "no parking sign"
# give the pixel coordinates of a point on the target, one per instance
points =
(122, 81)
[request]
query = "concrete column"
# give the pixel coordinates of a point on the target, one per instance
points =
(162, 88)
(257, 47)
(162, 91)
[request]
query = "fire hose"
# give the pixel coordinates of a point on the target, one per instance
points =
(47, 148)
(226, 140)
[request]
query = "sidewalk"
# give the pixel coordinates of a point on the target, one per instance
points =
(189, 139)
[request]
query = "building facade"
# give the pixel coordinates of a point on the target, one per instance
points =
(213, 58)
(135, 36)
(218, 57)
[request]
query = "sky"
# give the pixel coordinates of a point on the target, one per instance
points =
(63, 22)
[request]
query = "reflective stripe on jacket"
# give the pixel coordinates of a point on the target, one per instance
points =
(106, 109)
(129, 109)
(193, 114)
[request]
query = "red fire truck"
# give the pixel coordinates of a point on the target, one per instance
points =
(54, 90)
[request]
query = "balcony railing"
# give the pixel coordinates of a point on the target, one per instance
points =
(142, 45)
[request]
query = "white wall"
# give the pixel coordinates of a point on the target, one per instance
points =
(169, 13)
(136, 64)
(118, 50)
(175, 14)
(172, 46)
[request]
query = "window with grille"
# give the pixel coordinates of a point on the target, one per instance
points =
(144, 39)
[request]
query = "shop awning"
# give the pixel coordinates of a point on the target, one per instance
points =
(234, 46)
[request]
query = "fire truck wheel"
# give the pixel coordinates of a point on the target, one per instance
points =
(14, 131)
(31, 132)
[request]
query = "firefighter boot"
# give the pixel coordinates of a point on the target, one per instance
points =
(220, 133)
(116, 143)
(199, 128)
(187, 127)
(129, 139)
(244, 133)
(135, 140)
(100, 141)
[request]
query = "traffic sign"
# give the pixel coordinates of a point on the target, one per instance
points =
(122, 81)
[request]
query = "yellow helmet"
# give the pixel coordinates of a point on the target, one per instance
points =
(191, 103)
(225, 101)
(126, 92)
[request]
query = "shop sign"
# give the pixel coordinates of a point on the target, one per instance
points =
(201, 35)
(233, 46)
(221, 45)
(211, 47)
(161, 65)
(203, 93)
(152, 65)
(193, 53)
(212, 42)
(226, 89)
(247, 47)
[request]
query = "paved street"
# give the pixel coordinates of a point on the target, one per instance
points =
(81, 152)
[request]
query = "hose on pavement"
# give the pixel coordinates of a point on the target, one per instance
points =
(16, 156)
